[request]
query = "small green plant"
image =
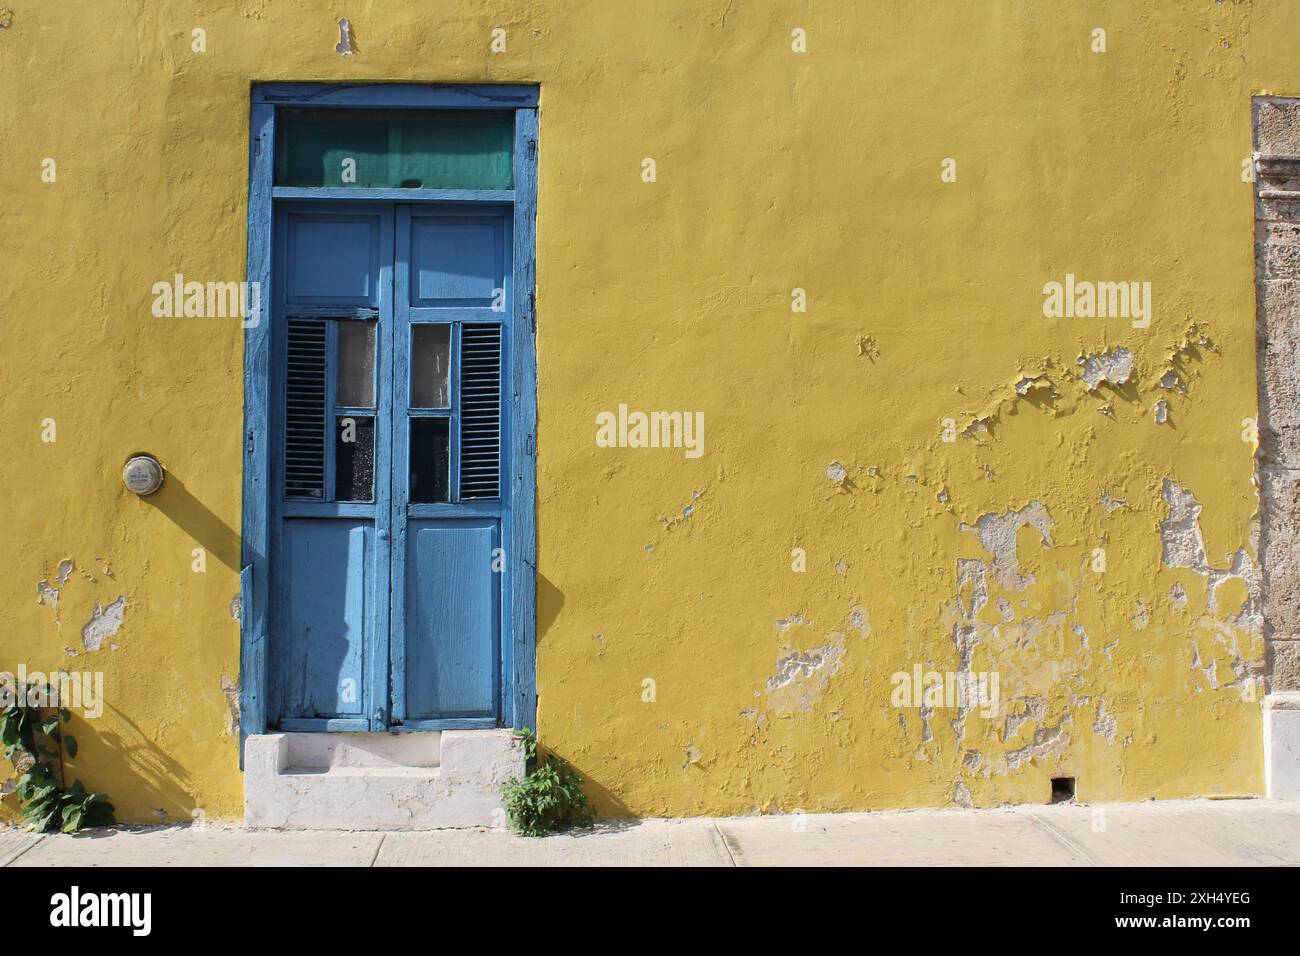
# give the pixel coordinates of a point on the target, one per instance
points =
(32, 738)
(549, 797)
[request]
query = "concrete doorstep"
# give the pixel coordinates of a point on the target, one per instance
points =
(1173, 833)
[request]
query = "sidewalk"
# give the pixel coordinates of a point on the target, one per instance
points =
(1174, 833)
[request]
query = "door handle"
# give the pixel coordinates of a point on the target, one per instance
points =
(383, 534)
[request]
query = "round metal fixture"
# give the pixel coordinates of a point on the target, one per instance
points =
(142, 474)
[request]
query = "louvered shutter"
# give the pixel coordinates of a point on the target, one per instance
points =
(480, 412)
(304, 438)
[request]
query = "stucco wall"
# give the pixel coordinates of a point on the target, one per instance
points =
(825, 429)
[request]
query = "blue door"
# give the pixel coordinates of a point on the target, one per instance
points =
(389, 502)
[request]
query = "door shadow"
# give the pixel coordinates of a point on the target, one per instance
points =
(550, 600)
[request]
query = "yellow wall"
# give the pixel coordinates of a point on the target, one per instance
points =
(775, 170)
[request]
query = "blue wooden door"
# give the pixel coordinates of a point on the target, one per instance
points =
(452, 278)
(386, 554)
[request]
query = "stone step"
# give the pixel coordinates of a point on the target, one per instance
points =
(424, 773)
(417, 781)
(324, 751)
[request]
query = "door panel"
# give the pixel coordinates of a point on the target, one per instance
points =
(452, 619)
(452, 287)
(331, 515)
(329, 602)
(457, 260)
(334, 259)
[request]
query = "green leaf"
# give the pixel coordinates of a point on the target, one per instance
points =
(548, 798)
(70, 742)
(36, 787)
(39, 820)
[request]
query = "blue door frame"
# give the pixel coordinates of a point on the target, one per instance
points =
(518, 596)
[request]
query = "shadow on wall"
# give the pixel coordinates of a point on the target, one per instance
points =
(195, 518)
(608, 806)
(159, 790)
(549, 603)
(154, 792)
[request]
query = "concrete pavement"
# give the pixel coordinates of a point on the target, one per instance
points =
(1173, 833)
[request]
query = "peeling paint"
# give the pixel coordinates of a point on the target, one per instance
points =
(1114, 367)
(1103, 724)
(104, 623)
(801, 676)
(796, 665)
(1048, 742)
(1182, 546)
(1141, 617)
(997, 533)
(1081, 634)
(45, 594)
(345, 46)
(687, 513)
(693, 755)
(793, 620)
(858, 621)
(1180, 531)
(1112, 504)
(231, 691)
(48, 594)
(1034, 709)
